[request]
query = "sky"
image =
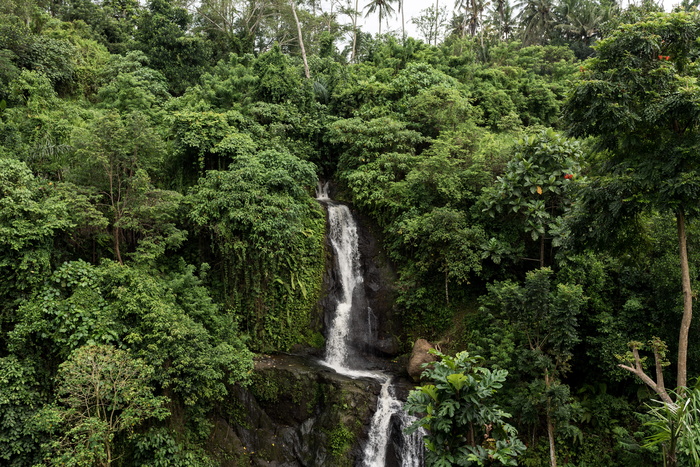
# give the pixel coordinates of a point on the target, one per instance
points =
(413, 8)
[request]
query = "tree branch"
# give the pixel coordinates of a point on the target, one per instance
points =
(639, 372)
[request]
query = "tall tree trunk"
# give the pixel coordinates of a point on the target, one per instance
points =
(670, 457)
(550, 424)
(550, 434)
(354, 31)
(437, 16)
(502, 15)
(541, 245)
(687, 303)
(301, 40)
(117, 251)
(403, 23)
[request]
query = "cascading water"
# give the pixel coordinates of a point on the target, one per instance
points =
(343, 236)
(339, 356)
(410, 451)
(412, 448)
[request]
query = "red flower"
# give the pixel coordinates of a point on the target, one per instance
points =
(661, 57)
(568, 176)
(668, 57)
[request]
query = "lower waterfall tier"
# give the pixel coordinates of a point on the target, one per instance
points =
(299, 413)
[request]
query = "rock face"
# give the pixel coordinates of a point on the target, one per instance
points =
(296, 413)
(379, 291)
(419, 356)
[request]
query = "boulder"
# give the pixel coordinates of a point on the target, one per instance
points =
(419, 356)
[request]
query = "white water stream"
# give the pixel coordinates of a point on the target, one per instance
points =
(411, 450)
(344, 239)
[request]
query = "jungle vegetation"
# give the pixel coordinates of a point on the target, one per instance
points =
(532, 170)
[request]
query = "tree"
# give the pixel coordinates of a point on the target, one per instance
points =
(536, 185)
(131, 86)
(170, 321)
(471, 12)
(355, 12)
(580, 21)
(430, 23)
(20, 399)
(383, 7)
(638, 97)
(162, 35)
(24, 10)
(32, 213)
(443, 242)
(232, 25)
(364, 141)
(115, 156)
(301, 39)
(503, 19)
(266, 239)
(537, 19)
(546, 317)
(437, 23)
(249, 26)
(113, 21)
(103, 392)
(464, 426)
(279, 79)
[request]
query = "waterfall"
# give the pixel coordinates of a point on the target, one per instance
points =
(349, 311)
(343, 235)
(410, 450)
(387, 405)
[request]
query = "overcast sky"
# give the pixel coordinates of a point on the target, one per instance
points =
(413, 7)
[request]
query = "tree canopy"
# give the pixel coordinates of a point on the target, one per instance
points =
(526, 176)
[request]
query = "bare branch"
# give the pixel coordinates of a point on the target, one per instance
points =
(637, 370)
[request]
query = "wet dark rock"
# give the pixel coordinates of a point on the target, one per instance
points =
(379, 290)
(395, 445)
(297, 413)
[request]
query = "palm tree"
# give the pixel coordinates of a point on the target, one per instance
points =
(580, 20)
(538, 21)
(383, 6)
(354, 31)
(471, 12)
(503, 19)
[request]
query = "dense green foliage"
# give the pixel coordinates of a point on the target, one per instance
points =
(103, 392)
(675, 428)
(460, 413)
(157, 216)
